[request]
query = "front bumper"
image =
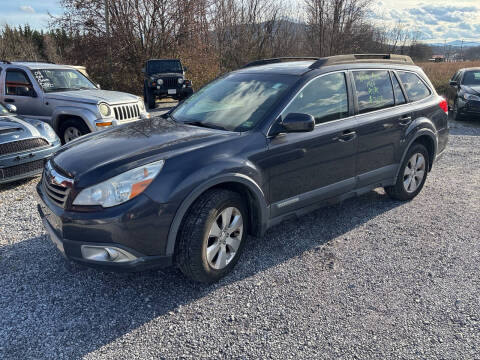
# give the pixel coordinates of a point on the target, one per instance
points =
(179, 91)
(469, 107)
(139, 227)
(26, 164)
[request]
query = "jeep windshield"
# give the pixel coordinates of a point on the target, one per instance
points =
(52, 80)
(236, 102)
(164, 66)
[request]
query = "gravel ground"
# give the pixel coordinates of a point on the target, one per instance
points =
(368, 278)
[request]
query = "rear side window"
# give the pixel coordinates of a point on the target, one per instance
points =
(325, 98)
(416, 88)
(399, 97)
(374, 90)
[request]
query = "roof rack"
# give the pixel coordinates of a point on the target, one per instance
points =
(278, 60)
(356, 58)
(5, 62)
(36, 61)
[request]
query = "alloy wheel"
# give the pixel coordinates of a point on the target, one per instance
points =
(414, 173)
(71, 133)
(224, 238)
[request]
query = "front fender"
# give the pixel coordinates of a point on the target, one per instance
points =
(87, 116)
(242, 179)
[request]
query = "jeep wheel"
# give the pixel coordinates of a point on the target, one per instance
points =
(72, 129)
(412, 174)
(212, 236)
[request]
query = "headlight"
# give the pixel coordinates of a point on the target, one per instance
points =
(159, 81)
(48, 131)
(105, 110)
(180, 80)
(471, 97)
(120, 188)
(141, 105)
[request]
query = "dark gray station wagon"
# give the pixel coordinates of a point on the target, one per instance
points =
(272, 140)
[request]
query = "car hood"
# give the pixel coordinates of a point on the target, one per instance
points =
(93, 96)
(104, 154)
(13, 128)
(475, 89)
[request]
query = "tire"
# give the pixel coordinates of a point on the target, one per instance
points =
(71, 129)
(149, 98)
(197, 243)
(403, 189)
(455, 114)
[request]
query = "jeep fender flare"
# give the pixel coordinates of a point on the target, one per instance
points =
(242, 179)
(86, 115)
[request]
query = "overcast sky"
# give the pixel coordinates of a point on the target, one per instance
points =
(434, 20)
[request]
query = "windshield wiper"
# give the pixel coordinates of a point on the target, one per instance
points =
(205, 125)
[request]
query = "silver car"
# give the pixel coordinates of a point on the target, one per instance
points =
(65, 98)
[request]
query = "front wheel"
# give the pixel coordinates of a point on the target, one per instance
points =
(412, 174)
(455, 114)
(212, 236)
(72, 129)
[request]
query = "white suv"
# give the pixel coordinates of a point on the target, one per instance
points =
(65, 98)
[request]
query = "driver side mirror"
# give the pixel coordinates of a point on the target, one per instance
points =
(297, 122)
(453, 83)
(185, 69)
(98, 86)
(11, 108)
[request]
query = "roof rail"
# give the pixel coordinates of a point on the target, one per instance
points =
(35, 61)
(359, 58)
(5, 62)
(278, 60)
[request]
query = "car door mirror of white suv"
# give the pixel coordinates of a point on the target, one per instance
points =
(11, 108)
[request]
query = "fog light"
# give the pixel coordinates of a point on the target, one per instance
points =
(106, 253)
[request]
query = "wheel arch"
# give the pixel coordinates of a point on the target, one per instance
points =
(64, 113)
(248, 188)
(427, 138)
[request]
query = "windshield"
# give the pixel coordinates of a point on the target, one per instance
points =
(236, 102)
(164, 66)
(52, 80)
(471, 78)
(3, 110)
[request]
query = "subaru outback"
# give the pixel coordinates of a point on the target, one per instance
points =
(272, 140)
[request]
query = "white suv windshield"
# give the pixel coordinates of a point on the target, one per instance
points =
(52, 80)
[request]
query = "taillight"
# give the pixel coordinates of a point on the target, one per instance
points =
(444, 106)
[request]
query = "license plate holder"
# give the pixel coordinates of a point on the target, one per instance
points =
(53, 236)
(172, 91)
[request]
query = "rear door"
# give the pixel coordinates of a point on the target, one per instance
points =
(307, 167)
(382, 116)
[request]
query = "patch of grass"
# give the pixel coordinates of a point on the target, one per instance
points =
(441, 73)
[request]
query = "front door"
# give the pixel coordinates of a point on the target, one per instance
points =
(19, 91)
(307, 167)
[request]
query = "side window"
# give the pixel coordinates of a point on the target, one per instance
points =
(17, 83)
(416, 88)
(399, 97)
(374, 90)
(325, 98)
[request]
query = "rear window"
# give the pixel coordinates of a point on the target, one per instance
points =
(374, 90)
(471, 78)
(399, 97)
(415, 88)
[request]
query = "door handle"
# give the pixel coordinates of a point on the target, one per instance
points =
(405, 120)
(345, 136)
(9, 100)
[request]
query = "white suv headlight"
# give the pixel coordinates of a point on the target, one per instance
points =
(105, 110)
(141, 105)
(120, 188)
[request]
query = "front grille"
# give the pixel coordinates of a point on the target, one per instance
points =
(126, 112)
(21, 169)
(56, 193)
(171, 82)
(22, 145)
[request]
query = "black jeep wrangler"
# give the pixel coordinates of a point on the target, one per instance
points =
(165, 78)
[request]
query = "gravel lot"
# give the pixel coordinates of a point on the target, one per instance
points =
(368, 278)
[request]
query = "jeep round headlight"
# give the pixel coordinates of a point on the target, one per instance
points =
(159, 81)
(104, 109)
(180, 81)
(120, 188)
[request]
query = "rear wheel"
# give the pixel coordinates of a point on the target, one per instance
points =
(72, 129)
(212, 236)
(412, 174)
